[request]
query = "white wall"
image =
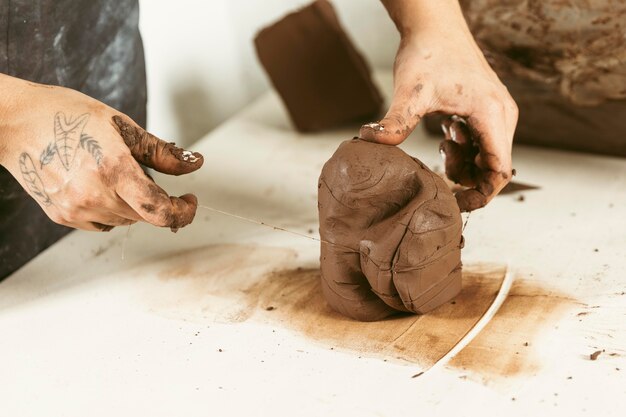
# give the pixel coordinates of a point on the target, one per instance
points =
(201, 62)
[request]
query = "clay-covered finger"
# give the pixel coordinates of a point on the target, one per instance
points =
(460, 132)
(110, 219)
(459, 154)
(488, 133)
(445, 127)
(486, 189)
(122, 209)
(458, 169)
(407, 108)
(155, 153)
(89, 226)
(154, 205)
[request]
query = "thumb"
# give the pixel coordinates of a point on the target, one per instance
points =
(406, 111)
(155, 153)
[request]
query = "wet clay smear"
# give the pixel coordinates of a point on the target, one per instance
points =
(232, 283)
(298, 301)
(505, 347)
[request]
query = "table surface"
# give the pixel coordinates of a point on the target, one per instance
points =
(142, 321)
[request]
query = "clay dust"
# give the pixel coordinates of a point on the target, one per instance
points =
(236, 283)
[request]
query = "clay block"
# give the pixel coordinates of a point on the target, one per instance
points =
(394, 229)
(546, 118)
(564, 63)
(321, 77)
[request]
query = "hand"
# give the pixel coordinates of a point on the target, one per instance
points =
(80, 160)
(441, 69)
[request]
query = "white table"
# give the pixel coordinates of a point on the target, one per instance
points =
(85, 332)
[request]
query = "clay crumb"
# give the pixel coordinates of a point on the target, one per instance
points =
(525, 343)
(374, 126)
(188, 156)
(595, 355)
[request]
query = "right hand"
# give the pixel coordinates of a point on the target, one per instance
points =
(439, 68)
(79, 159)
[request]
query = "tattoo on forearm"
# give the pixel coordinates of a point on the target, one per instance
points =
(68, 137)
(33, 180)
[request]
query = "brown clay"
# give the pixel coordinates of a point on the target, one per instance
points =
(321, 77)
(156, 153)
(404, 227)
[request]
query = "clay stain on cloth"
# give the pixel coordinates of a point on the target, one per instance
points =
(270, 285)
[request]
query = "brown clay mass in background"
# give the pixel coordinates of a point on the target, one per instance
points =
(321, 77)
(396, 233)
(564, 63)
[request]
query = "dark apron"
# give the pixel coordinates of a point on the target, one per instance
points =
(92, 46)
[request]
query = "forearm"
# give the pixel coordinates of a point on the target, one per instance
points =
(415, 16)
(12, 92)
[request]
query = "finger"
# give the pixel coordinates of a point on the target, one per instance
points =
(445, 127)
(407, 108)
(153, 204)
(459, 153)
(89, 226)
(475, 198)
(459, 166)
(156, 153)
(122, 209)
(459, 131)
(97, 220)
(493, 161)
(110, 219)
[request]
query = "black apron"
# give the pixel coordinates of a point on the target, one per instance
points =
(92, 46)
